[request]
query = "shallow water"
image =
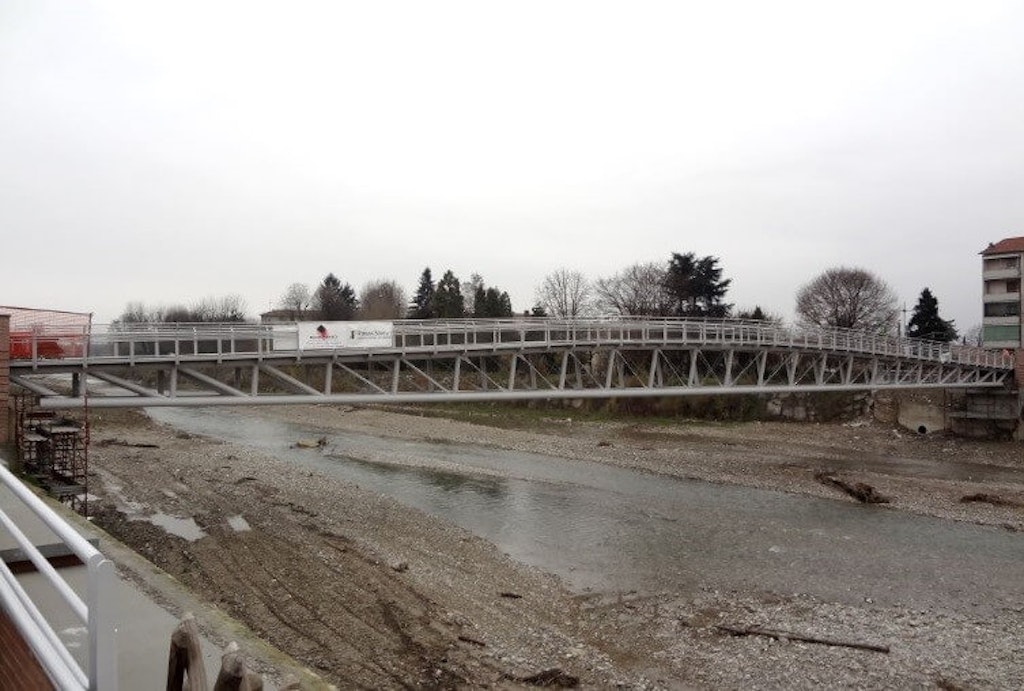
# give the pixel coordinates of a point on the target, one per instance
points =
(610, 529)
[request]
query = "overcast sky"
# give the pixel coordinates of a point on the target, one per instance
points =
(165, 152)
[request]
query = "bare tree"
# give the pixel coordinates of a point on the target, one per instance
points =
(469, 290)
(636, 290)
(973, 336)
(382, 299)
(297, 299)
(134, 312)
(565, 294)
(229, 308)
(848, 298)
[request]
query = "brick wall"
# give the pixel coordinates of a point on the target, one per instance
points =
(5, 377)
(1018, 373)
(19, 669)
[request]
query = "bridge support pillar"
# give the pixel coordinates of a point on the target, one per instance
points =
(5, 378)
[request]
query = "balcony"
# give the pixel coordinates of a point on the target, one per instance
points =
(1001, 297)
(998, 273)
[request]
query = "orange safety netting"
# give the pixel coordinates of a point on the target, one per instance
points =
(47, 333)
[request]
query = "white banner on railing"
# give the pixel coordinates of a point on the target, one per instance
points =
(333, 335)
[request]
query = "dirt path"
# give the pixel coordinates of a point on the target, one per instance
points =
(376, 595)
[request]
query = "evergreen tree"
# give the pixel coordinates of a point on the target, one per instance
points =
(491, 303)
(488, 303)
(448, 302)
(423, 302)
(695, 286)
(926, 323)
(755, 315)
(336, 301)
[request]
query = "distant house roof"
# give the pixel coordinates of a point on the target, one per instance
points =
(280, 315)
(1006, 246)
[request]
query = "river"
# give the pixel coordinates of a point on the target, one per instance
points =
(607, 529)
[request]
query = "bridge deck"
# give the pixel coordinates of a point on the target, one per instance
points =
(143, 364)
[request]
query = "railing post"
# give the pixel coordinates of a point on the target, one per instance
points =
(102, 634)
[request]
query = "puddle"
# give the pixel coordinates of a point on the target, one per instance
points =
(185, 528)
(238, 524)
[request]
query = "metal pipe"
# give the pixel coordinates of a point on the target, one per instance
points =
(490, 395)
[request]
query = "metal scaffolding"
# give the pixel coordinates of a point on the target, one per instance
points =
(53, 450)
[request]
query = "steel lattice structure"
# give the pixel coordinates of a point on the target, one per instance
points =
(461, 360)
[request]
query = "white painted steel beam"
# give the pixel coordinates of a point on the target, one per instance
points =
(451, 397)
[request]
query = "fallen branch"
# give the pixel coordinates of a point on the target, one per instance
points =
(121, 442)
(307, 444)
(993, 499)
(467, 639)
(782, 635)
(551, 678)
(858, 490)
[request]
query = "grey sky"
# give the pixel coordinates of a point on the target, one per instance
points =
(167, 152)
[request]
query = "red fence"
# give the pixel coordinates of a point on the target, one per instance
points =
(47, 333)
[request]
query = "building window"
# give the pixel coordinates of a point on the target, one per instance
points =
(1002, 309)
(1001, 334)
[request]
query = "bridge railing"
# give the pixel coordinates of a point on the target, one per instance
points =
(141, 342)
(94, 613)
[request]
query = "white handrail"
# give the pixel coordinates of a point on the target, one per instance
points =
(51, 652)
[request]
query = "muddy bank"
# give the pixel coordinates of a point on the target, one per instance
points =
(377, 595)
(366, 592)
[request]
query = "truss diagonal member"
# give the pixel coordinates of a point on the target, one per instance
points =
(32, 386)
(535, 373)
(211, 382)
(351, 372)
(289, 381)
(122, 383)
(433, 382)
(791, 366)
(485, 379)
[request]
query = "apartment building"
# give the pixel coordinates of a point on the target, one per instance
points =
(1001, 276)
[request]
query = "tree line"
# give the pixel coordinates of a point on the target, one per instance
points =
(685, 285)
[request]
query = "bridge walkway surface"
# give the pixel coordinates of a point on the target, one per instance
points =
(410, 361)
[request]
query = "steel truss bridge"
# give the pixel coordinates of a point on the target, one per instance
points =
(141, 365)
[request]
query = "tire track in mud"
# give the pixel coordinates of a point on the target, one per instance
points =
(283, 576)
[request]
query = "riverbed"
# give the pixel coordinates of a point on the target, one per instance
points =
(405, 549)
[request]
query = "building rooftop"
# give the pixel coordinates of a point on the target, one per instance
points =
(1005, 246)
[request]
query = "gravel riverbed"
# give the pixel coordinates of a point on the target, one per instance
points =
(372, 594)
